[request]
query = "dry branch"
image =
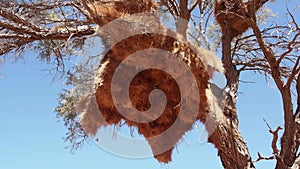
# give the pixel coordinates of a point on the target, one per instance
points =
(259, 158)
(289, 144)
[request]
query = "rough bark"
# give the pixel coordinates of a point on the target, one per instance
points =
(233, 17)
(232, 148)
(289, 147)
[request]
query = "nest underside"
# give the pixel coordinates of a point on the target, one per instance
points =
(140, 87)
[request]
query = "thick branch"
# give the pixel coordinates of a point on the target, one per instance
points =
(232, 149)
(20, 40)
(18, 29)
(268, 53)
(185, 15)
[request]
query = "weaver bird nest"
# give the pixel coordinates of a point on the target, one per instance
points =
(152, 79)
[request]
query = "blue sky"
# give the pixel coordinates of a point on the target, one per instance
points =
(31, 137)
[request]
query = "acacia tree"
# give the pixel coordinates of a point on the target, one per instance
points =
(58, 30)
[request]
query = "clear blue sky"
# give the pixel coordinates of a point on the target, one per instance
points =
(31, 137)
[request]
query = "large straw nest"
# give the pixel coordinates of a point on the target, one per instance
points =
(146, 81)
(142, 84)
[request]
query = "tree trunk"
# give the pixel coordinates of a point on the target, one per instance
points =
(290, 139)
(288, 151)
(183, 19)
(231, 147)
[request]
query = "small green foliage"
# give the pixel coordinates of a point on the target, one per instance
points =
(75, 136)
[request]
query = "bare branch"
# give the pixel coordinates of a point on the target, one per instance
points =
(269, 54)
(298, 90)
(194, 5)
(172, 6)
(7, 47)
(18, 19)
(295, 71)
(18, 29)
(275, 139)
(267, 124)
(259, 158)
(10, 36)
(290, 47)
(44, 6)
(84, 12)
